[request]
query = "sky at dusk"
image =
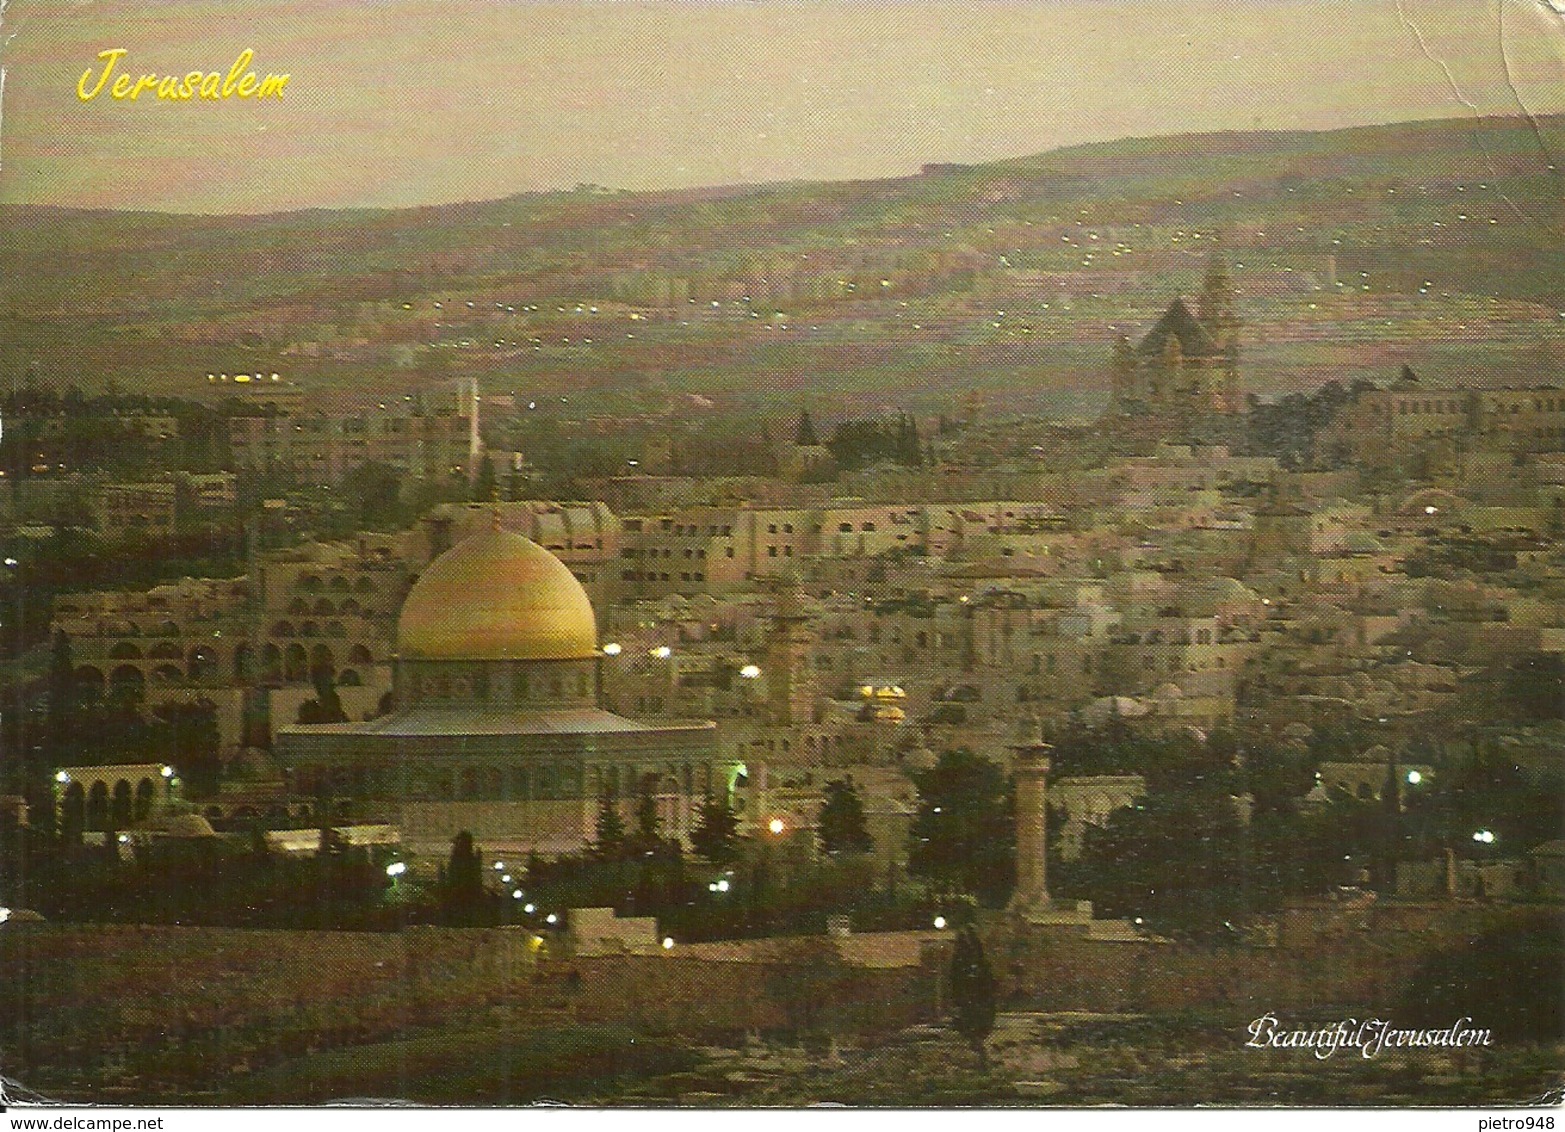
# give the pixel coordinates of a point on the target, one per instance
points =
(407, 102)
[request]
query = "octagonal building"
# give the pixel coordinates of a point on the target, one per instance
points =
(497, 728)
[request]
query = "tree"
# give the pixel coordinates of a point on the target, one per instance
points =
(841, 827)
(973, 999)
(716, 835)
(485, 484)
(378, 489)
(649, 826)
(464, 894)
(190, 735)
(805, 434)
(609, 838)
(326, 707)
(963, 836)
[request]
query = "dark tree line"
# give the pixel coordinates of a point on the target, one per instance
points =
(857, 444)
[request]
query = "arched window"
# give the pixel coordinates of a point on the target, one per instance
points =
(358, 654)
(98, 806)
(201, 663)
(324, 608)
(127, 681)
(121, 810)
(89, 682)
(124, 650)
(73, 812)
(145, 792)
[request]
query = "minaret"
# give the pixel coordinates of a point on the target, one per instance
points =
(790, 686)
(1032, 800)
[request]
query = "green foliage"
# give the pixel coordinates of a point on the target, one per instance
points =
(608, 843)
(805, 434)
(855, 444)
(963, 837)
(841, 827)
(326, 707)
(465, 899)
(974, 999)
(486, 486)
(716, 836)
(1287, 428)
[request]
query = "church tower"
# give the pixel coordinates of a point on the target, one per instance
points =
(1217, 312)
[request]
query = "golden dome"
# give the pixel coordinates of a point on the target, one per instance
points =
(497, 596)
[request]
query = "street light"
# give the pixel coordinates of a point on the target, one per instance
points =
(662, 652)
(396, 868)
(776, 825)
(612, 649)
(750, 671)
(1414, 778)
(1484, 836)
(940, 923)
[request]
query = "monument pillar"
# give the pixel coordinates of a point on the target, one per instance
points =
(1032, 828)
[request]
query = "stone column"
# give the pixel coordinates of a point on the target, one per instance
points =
(1032, 795)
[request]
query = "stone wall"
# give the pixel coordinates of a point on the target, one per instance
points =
(1353, 956)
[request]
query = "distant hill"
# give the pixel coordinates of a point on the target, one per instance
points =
(1444, 231)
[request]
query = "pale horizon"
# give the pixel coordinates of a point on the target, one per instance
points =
(413, 103)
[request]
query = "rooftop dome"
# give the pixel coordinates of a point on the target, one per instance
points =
(497, 596)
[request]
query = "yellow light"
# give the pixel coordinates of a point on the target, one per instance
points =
(776, 825)
(668, 943)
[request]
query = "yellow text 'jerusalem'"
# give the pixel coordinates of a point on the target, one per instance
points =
(212, 86)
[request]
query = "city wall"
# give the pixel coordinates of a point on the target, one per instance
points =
(1356, 958)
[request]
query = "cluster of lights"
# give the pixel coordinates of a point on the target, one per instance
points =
(1484, 836)
(719, 885)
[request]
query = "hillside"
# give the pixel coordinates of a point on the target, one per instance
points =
(1438, 242)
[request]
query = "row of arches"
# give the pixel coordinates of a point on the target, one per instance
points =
(103, 807)
(325, 607)
(291, 665)
(309, 629)
(313, 583)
